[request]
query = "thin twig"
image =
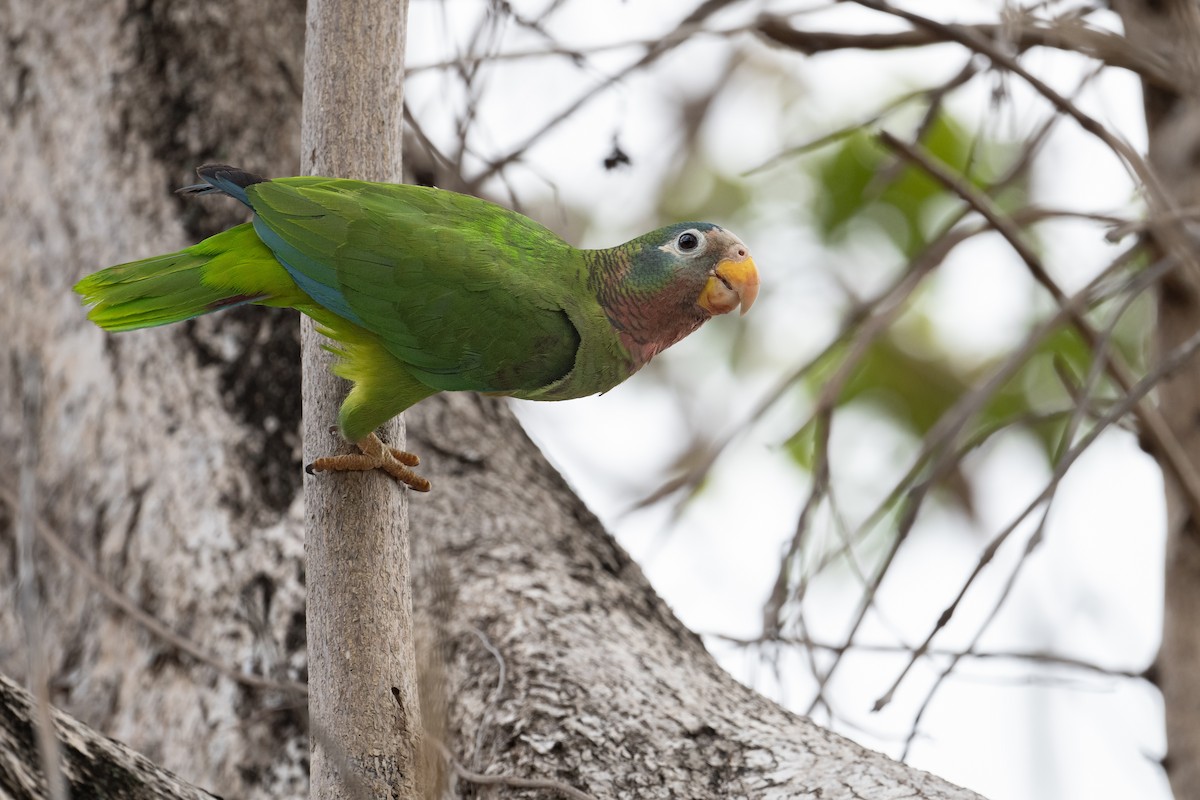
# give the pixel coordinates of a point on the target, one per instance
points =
(820, 485)
(1161, 203)
(1153, 423)
(911, 504)
(1031, 544)
(576, 54)
(1105, 46)
(885, 176)
(896, 294)
(654, 50)
(951, 423)
(1037, 657)
(497, 693)
(1171, 362)
(909, 496)
(1140, 283)
(511, 781)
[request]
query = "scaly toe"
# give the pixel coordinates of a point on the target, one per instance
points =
(406, 458)
(353, 462)
(406, 476)
(374, 455)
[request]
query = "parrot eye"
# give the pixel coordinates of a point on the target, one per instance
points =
(687, 241)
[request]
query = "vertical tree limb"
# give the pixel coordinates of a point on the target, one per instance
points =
(1171, 29)
(364, 713)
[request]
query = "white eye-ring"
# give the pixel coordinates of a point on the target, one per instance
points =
(689, 241)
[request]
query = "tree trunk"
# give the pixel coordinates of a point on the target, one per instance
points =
(170, 464)
(1171, 29)
(363, 708)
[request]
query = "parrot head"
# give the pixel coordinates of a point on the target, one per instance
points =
(672, 281)
(730, 277)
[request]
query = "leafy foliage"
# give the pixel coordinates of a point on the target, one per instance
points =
(907, 373)
(860, 181)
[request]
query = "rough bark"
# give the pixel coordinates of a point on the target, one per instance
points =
(93, 765)
(170, 463)
(601, 686)
(363, 705)
(169, 458)
(1171, 29)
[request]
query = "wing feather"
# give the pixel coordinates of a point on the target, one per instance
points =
(467, 294)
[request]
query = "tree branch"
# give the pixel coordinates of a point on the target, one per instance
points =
(1073, 35)
(360, 626)
(1171, 28)
(1154, 426)
(598, 670)
(92, 764)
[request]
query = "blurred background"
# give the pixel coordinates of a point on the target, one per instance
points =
(892, 496)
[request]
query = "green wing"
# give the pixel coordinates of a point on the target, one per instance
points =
(467, 294)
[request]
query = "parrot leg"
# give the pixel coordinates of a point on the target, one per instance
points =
(373, 454)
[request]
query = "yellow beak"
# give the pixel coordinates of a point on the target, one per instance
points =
(732, 284)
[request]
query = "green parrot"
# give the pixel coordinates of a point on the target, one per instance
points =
(424, 291)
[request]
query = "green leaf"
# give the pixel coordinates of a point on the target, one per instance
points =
(802, 446)
(860, 181)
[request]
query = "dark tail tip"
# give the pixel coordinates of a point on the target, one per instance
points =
(224, 179)
(219, 174)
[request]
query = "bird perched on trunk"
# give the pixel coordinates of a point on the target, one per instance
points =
(425, 291)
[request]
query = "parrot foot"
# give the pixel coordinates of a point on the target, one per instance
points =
(374, 454)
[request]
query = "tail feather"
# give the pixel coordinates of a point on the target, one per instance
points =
(215, 274)
(223, 179)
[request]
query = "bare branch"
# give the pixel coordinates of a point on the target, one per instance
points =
(1171, 362)
(1073, 35)
(908, 493)
(1037, 657)
(911, 503)
(1158, 199)
(654, 51)
(1155, 427)
(512, 781)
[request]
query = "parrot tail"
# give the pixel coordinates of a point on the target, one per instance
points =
(228, 269)
(223, 179)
